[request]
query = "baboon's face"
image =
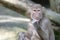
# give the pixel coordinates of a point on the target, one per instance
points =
(36, 13)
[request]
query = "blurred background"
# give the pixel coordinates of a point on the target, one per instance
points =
(13, 18)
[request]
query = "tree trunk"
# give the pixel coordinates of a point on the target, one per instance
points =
(55, 5)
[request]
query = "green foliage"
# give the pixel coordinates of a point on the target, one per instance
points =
(57, 34)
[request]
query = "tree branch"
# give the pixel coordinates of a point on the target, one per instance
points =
(15, 5)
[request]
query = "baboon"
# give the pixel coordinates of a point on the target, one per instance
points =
(39, 28)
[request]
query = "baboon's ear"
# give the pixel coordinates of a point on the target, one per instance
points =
(43, 9)
(28, 14)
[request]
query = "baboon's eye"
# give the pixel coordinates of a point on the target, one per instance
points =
(34, 10)
(38, 10)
